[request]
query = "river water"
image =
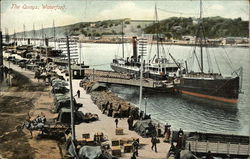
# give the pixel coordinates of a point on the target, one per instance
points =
(175, 110)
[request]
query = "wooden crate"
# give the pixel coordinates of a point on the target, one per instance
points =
(128, 148)
(86, 136)
(116, 151)
(123, 141)
(115, 142)
(81, 141)
(99, 136)
(119, 131)
(90, 142)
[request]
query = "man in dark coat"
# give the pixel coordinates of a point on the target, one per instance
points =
(78, 93)
(135, 145)
(116, 122)
(154, 142)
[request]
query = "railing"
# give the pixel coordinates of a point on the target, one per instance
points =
(149, 84)
(218, 148)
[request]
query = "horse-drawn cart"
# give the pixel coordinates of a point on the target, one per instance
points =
(54, 131)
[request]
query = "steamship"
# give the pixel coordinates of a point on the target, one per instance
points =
(206, 86)
(158, 68)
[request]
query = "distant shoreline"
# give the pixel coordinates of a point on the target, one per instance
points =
(166, 43)
(181, 43)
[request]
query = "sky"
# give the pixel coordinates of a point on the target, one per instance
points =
(16, 13)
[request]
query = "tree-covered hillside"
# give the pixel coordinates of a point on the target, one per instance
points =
(215, 27)
(175, 27)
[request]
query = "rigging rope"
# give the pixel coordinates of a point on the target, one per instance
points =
(197, 59)
(181, 13)
(163, 50)
(210, 67)
(216, 62)
(150, 49)
(229, 60)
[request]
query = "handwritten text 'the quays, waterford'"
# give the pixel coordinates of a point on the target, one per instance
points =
(37, 7)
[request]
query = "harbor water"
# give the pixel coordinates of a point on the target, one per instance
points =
(175, 110)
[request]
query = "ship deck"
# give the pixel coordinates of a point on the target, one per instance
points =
(124, 79)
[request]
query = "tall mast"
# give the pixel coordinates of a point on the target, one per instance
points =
(24, 34)
(34, 33)
(143, 52)
(14, 36)
(7, 38)
(122, 41)
(1, 56)
(157, 32)
(71, 92)
(200, 34)
(54, 33)
(42, 36)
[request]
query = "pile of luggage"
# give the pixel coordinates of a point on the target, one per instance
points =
(59, 85)
(62, 104)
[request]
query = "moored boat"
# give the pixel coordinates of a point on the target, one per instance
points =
(158, 68)
(209, 86)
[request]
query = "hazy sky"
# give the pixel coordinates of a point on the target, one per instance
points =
(16, 13)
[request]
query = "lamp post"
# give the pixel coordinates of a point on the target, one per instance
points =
(146, 102)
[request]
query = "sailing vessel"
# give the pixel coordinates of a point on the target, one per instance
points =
(158, 68)
(209, 86)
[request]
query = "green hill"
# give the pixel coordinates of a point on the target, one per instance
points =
(214, 27)
(174, 27)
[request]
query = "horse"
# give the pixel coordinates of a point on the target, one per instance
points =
(31, 126)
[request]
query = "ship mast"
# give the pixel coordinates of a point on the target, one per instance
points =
(157, 32)
(34, 33)
(42, 40)
(24, 33)
(200, 30)
(122, 41)
(14, 36)
(54, 33)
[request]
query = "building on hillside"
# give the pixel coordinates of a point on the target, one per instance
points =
(92, 25)
(188, 37)
(214, 41)
(235, 40)
(82, 37)
(114, 38)
(74, 37)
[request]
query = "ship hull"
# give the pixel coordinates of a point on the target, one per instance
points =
(121, 69)
(223, 90)
(136, 72)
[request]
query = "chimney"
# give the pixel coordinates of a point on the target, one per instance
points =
(135, 48)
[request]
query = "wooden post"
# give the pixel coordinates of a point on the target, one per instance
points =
(207, 146)
(196, 142)
(71, 93)
(238, 149)
(1, 56)
(248, 149)
(228, 147)
(217, 149)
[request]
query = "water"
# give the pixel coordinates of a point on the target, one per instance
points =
(175, 110)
